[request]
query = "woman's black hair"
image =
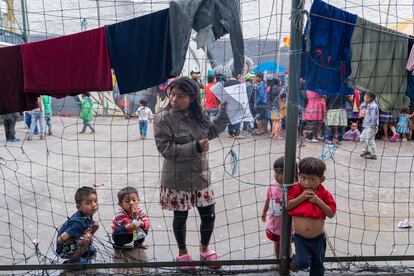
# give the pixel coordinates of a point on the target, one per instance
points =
(190, 87)
(143, 102)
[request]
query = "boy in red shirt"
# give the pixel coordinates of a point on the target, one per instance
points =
(131, 223)
(309, 203)
(211, 103)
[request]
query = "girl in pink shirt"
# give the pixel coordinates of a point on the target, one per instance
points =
(272, 210)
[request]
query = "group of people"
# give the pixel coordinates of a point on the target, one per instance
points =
(129, 225)
(40, 116)
(327, 118)
(309, 203)
(321, 117)
(267, 104)
(39, 120)
(182, 133)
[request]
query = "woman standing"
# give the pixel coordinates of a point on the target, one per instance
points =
(336, 119)
(314, 114)
(182, 132)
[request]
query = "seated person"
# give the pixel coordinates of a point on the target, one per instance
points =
(130, 224)
(352, 134)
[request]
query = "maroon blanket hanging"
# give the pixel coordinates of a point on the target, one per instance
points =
(67, 65)
(12, 96)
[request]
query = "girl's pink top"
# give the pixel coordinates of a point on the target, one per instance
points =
(274, 215)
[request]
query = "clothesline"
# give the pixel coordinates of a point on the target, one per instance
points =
(389, 31)
(355, 53)
(143, 51)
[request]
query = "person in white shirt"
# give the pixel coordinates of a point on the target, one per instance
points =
(144, 113)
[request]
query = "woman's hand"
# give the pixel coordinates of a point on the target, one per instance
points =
(204, 145)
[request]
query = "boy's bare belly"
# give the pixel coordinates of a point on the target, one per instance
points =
(307, 227)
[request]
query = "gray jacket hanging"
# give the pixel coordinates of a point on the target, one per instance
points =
(379, 56)
(211, 19)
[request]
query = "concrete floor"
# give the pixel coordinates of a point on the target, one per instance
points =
(38, 179)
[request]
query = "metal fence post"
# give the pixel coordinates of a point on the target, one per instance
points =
(291, 128)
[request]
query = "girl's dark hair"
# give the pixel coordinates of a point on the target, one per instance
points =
(279, 165)
(143, 102)
(405, 111)
(190, 87)
(312, 166)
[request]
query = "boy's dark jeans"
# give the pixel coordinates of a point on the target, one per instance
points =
(310, 253)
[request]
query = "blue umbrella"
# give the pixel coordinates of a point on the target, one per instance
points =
(269, 67)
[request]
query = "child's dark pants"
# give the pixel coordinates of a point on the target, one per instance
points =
(122, 237)
(310, 253)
